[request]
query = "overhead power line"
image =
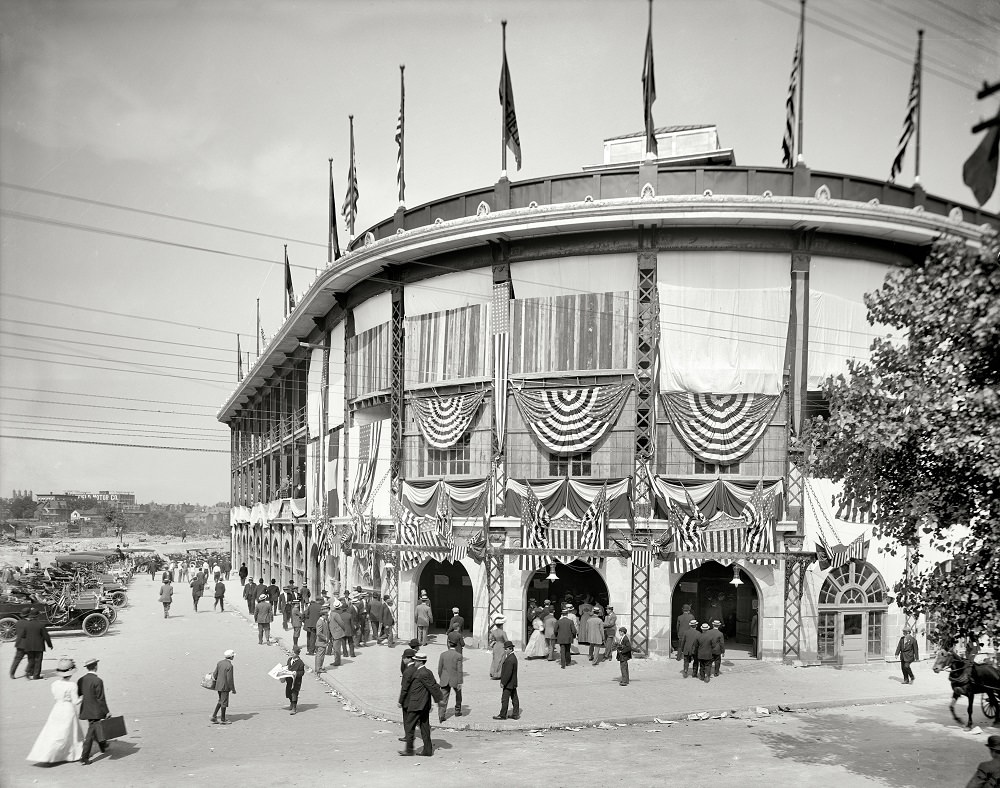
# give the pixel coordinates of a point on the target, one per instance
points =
(65, 340)
(77, 330)
(157, 214)
(108, 407)
(118, 314)
(216, 431)
(30, 217)
(106, 396)
(110, 360)
(119, 445)
(77, 430)
(210, 381)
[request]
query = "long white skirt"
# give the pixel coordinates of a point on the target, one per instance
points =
(61, 739)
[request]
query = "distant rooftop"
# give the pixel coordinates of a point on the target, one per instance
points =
(662, 130)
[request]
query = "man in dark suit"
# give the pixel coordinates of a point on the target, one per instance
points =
(309, 618)
(508, 682)
(703, 651)
(988, 772)
(908, 652)
(225, 684)
(375, 617)
(689, 648)
(93, 708)
(250, 595)
(456, 619)
(718, 645)
(415, 696)
(624, 654)
(31, 639)
(450, 676)
(565, 632)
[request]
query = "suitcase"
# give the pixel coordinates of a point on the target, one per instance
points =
(112, 728)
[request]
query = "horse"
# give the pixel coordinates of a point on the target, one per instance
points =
(981, 679)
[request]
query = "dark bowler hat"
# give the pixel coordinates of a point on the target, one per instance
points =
(509, 645)
(993, 742)
(414, 643)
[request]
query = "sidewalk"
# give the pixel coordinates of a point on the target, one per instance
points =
(584, 695)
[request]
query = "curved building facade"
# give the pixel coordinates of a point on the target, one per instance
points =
(586, 385)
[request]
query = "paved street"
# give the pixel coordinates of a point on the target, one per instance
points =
(152, 667)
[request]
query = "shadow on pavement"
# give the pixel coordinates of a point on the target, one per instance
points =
(118, 749)
(846, 741)
(241, 717)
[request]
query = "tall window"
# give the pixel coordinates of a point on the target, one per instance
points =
(875, 634)
(456, 461)
(572, 465)
(826, 629)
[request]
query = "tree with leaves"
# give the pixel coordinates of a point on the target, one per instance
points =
(914, 435)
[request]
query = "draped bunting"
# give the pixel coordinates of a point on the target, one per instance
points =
(838, 555)
(572, 495)
(364, 557)
(571, 420)
(327, 544)
(711, 496)
(719, 428)
(465, 496)
(444, 420)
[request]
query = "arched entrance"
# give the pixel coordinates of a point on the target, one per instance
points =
(447, 585)
(850, 625)
(578, 580)
(710, 591)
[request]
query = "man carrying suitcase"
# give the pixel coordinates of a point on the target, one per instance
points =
(93, 708)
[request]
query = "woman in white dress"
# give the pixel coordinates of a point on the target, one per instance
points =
(61, 739)
(536, 646)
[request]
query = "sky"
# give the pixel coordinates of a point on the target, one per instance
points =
(155, 157)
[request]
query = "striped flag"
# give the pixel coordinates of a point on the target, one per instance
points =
(910, 123)
(649, 89)
(239, 359)
(400, 181)
(333, 239)
(511, 139)
(979, 172)
(688, 534)
(289, 291)
(641, 554)
(350, 207)
(534, 530)
(500, 314)
(788, 142)
(594, 524)
(758, 514)
(838, 555)
(407, 532)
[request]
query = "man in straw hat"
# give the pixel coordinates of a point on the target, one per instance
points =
(418, 687)
(704, 652)
(508, 683)
(93, 708)
(263, 615)
(988, 772)
(225, 684)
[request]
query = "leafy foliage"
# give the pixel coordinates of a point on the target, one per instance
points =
(914, 435)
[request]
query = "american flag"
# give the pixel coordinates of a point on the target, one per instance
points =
(289, 292)
(788, 142)
(912, 115)
(649, 89)
(688, 527)
(510, 136)
(350, 207)
(399, 137)
(838, 555)
(593, 525)
(759, 517)
(534, 530)
(407, 532)
(500, 314)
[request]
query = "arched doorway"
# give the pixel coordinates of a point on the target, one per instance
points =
(850, 625)
(447, 585)
(712, 594)
(579, 580)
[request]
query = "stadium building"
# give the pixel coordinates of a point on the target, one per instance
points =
(586, 384)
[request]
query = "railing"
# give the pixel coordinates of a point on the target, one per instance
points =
(673, 181)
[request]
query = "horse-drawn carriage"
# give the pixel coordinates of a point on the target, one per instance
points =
(970, 678)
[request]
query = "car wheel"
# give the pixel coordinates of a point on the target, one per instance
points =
(96, 624)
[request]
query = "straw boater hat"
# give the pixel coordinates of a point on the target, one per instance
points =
(498, 619)
(567, 608)
(66, 666)
(229, 653)
(89, 662)
(716, 622)
(454, 610)
(262, 597)
(705, 626)
(693, 622)
(420, 657)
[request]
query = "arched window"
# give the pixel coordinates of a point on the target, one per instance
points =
(854, 583)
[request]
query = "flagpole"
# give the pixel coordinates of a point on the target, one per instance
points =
(649, 92)
(329, 229)
(802, 80)
(258, 328)
(285, 285)
(503, 108)
(920, 90)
